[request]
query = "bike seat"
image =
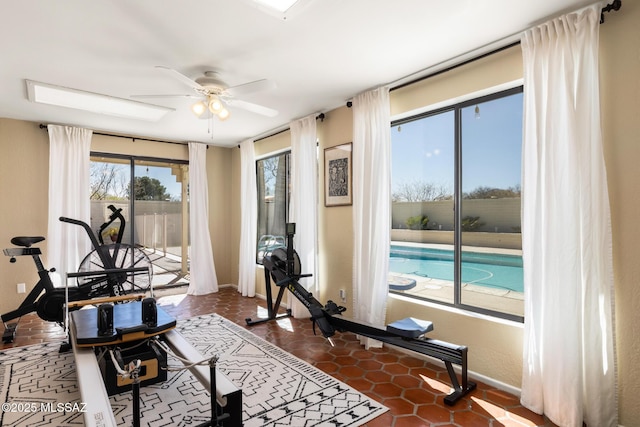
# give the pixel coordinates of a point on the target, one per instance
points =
(26, 241)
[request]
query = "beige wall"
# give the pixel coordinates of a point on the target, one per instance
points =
(335, 224)
(488, 72)
(223, 242)
(620, 92)
(24, 189)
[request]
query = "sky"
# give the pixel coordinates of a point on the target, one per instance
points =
(162, 174)
(423, 150)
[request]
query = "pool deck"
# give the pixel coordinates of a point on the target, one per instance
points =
(503, 300)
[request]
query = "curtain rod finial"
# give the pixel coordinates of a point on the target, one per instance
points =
(615, 6)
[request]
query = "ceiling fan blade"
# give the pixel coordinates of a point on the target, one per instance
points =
(251, 87)
(179, 76)
(164, 96)
(254, 108)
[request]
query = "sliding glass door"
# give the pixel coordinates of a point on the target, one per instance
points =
(152, 196)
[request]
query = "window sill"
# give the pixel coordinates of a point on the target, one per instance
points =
(455, 310)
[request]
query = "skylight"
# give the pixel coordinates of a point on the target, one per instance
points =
(45, 93)
(282, 9)
(279, 5)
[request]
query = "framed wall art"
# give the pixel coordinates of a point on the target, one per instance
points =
(337, 175)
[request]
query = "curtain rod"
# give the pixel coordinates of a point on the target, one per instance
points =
(133, 138)
(614, 6)
(319, 116)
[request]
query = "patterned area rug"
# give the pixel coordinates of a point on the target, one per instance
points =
(38, 386)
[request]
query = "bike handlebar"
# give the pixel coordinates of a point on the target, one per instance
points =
(74, 221)
(115, 214)
(84, 225)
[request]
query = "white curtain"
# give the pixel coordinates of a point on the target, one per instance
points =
(569, 359)
(303, 205)
(68, 244)
(371, 207)
(202, 271)
(248, 220)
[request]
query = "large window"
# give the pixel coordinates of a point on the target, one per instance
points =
(456, 205)
(273, 177)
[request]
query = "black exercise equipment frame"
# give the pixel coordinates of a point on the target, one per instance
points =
(273, 308)
(327, 318)
(54, 296)
(45, 284)
(113, 273)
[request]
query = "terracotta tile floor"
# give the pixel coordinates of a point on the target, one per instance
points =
(411, 388)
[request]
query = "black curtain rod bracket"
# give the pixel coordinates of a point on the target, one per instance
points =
(615, 6)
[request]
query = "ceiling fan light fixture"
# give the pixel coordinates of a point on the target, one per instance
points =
(223, 114)
(199, 108)
(215, 105)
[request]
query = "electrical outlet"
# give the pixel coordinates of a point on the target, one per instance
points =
(343, 295)
(22, 288)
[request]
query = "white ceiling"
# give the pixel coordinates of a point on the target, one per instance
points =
(327, 52)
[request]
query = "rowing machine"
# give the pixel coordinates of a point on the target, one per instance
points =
(284, 268)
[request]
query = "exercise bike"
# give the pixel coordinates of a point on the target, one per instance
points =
(108, 270)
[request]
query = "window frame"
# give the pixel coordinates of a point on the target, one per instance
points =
(457, 108)
(287, 155)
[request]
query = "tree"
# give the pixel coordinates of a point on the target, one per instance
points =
(108, 181)
(146, 188)
(493, 193)
(420, 191)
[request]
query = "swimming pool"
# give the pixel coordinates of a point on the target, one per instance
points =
(499, 271)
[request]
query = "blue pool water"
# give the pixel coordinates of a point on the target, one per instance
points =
(482, 269)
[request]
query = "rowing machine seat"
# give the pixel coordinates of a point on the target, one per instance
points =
(410, 327)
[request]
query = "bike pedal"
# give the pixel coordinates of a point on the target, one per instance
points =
(9, 333)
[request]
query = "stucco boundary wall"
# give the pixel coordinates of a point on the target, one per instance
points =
(496, 215)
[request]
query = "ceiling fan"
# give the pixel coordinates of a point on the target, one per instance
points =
(214, 95)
